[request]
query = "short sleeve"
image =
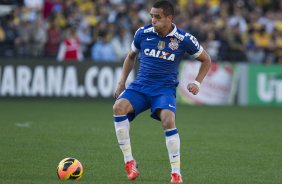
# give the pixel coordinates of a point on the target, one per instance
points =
(136, 44)
(192, 46)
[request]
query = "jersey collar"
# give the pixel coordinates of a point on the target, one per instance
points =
(171, 33)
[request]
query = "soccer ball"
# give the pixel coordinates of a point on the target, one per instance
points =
(69, 169)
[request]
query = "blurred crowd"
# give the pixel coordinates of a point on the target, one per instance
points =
(102, 30)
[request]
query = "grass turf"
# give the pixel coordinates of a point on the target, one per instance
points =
(219, 145)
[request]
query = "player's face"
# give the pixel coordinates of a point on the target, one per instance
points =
(161, 23)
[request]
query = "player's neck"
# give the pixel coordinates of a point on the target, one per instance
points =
(167, 31)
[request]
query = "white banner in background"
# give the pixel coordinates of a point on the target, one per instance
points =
(216, 89)
(59, 81)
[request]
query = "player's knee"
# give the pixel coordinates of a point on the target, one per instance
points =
(168, 122)
(118, 109)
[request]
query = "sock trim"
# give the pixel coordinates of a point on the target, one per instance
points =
(120, 118)
(171, 132)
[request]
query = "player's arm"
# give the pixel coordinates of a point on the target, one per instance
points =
(205, 60)
(126, 69)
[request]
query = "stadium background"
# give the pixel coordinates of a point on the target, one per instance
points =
(53, 107)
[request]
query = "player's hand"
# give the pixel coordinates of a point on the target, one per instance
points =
(193, 88)
(120, 88)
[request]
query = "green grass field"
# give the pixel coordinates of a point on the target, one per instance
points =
(219, 145)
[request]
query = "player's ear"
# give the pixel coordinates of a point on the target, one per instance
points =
(170, 17)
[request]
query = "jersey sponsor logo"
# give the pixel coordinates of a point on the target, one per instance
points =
(159, 54)
(173, 44)
(148, 39)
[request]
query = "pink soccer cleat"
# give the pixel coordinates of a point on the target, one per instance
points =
(176, 178)
(132, 171)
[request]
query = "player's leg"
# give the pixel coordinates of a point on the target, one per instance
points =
(121, 108)
(172, 143)
(128, 105)
(163, 109)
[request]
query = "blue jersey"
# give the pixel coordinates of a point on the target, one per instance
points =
(159, 57)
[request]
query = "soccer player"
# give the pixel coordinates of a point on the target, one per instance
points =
(160, 47)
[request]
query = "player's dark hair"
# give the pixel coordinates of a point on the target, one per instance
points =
(166, 6)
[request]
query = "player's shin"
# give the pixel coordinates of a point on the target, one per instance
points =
(173, 148)
(122, 132)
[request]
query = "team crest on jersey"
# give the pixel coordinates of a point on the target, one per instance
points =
(161, 45)
(173, 44)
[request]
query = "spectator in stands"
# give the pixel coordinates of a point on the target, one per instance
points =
(84, 36)
(51, 6)
(267, 21)
(24, 38)
(85, 5)
(236, 40)
(2, 34)
(195, 28)
(102, 50)
(70, 49)
(2, 39)
(38, 37)
(277, 37)
(74, 15)
(212, 45)
(263, 40)
(254, 53)
(121, 43)
(29, 15)
(54, 38)
(237, 19)
(59, 18)
(11, 41)
(36, 5)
